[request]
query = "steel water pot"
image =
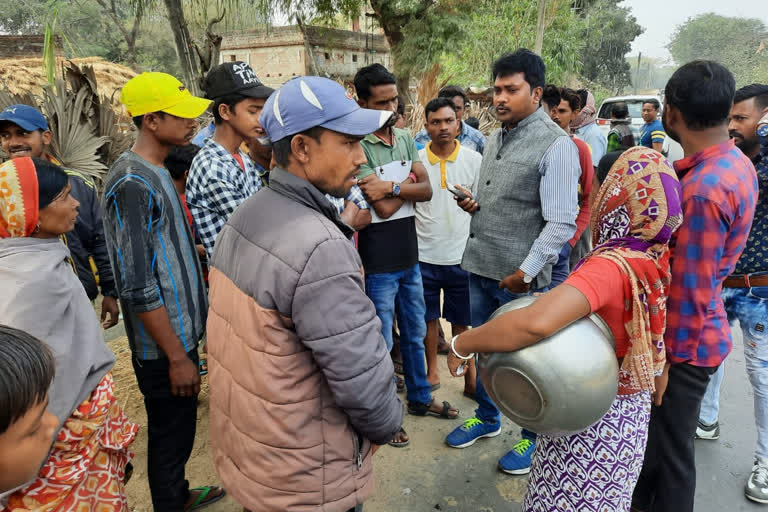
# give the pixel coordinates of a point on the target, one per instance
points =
(559, 386)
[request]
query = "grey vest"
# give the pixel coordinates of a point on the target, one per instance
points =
(502, 232)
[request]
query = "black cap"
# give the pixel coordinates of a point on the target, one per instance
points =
(234, 78)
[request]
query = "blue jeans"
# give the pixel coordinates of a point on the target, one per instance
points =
(750, 307)
(406, 287)
(485, 297)
(562, 268)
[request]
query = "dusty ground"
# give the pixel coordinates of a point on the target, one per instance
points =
(428, 475)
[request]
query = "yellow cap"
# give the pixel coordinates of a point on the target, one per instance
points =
(161, 92)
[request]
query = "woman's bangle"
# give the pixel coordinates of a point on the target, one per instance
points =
(453, 349)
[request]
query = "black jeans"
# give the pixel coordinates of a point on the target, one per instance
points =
(171, 427)
(667, 482)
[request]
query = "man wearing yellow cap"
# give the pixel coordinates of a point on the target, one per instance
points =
(159, 282)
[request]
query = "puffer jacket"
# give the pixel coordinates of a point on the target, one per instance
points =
(301, 381)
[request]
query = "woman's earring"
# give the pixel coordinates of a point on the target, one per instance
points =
(37, 228)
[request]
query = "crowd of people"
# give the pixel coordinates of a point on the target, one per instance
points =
(304, 332)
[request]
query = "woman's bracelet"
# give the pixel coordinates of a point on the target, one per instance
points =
(453, 349)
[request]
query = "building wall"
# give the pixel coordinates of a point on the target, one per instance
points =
(25, 46)
(279, 54)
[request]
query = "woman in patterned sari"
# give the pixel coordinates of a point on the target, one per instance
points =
(85, 469)
(625, 280)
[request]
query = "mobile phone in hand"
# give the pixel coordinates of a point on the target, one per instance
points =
(460, 194)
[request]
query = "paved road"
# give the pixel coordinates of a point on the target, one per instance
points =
(723, 466)
(429, 475)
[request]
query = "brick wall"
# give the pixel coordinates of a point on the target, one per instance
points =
(278, 54)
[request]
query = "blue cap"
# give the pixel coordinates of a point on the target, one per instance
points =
(29, 118)
(308, 101)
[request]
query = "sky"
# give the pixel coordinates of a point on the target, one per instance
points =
(661, 17)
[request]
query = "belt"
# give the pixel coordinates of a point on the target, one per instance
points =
(745, 281)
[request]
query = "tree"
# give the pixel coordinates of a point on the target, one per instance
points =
(610, 30)
(740, 44)
(419, 31)
(119, 13)
(496, 28)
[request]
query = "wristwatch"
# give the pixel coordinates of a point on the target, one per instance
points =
(395, 189)
(526, 278)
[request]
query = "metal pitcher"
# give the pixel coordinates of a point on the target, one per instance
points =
(560, 385)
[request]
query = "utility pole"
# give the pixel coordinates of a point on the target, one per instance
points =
(637, 73)
(540, 27)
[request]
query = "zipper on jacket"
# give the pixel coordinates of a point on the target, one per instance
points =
(358, 443)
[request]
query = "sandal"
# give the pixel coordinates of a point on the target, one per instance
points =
(201, 501)
(203, 366)
(471, 396)
(400, 444)
(418, 409)
(400, 383)
(434, 387)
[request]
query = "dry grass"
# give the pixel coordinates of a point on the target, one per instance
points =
(25, 76)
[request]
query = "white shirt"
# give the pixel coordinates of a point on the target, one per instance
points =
(443, 227)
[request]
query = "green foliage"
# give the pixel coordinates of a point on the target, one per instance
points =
(610, 30)
(496, 28)
(427, 35)
(49, 50)
(737, 43)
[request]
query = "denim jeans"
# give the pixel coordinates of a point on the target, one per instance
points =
(562, 268)
(406, 287)
(485, 297)
(748, 306)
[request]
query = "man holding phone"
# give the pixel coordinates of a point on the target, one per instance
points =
(527, 187)
(443, 230)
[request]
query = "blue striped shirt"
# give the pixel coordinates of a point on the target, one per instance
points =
(559, 169)
(152, 253)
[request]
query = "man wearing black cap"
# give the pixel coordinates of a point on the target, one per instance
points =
(222, 176)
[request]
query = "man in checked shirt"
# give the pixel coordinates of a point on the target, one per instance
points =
(719, 188)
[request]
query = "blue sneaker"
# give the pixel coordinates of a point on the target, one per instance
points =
(470, 431)
(518, 460)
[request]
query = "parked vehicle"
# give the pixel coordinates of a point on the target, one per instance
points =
(671, 149)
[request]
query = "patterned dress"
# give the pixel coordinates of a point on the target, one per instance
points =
(86, 469)
(637, 211)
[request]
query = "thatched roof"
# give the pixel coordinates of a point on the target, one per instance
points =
(21, 76)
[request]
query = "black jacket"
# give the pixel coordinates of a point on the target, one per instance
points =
(87, 239)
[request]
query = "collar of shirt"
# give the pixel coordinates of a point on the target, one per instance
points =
(433, 159)
(684, 165)
(375, 139)
(221, 152)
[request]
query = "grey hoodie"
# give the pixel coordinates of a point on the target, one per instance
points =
(42, 295)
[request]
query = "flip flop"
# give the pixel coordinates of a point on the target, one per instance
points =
(418, 409)
(401, 444)
(200, 502)
(434, 387)
(471, 396)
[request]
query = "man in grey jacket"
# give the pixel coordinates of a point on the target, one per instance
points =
(301, 379)
(523, 213)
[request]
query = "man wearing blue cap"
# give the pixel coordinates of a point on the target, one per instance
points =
(301, 379)
(24, 132)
